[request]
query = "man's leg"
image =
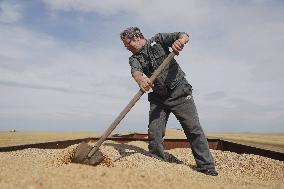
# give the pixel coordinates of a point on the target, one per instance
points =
(158, 117)
(187, 115)
(182, 105)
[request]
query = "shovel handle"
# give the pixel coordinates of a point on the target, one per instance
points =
(122, 114)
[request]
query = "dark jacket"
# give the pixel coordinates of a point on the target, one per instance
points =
(152, 55)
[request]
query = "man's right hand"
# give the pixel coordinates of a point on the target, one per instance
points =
(178, 45)
(143, 81)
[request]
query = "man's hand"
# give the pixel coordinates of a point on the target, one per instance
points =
(178, 45)
(143, 81)
(145, 84)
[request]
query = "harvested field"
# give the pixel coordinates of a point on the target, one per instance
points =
(271, 141)
(19, 137)
(130, 166)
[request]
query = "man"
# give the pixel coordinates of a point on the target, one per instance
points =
(171, 93)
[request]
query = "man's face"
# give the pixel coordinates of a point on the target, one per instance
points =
(133, 44)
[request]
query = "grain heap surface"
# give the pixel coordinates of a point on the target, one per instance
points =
(131, 166)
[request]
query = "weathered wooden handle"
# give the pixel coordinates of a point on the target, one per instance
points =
(122, 114)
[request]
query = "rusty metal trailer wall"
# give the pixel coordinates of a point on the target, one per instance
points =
(216, 144)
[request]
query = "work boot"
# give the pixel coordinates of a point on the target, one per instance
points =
(211, 172)
(157, 157)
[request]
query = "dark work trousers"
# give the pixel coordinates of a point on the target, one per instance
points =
(178, 101)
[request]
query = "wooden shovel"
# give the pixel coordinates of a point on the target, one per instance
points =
(91, 155)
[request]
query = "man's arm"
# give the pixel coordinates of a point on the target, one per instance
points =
(175, 40)
(137, 73)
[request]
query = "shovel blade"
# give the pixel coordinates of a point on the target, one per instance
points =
(81, 155)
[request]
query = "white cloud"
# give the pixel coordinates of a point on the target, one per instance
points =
(9, 12)
(153, 11)
(51, 79)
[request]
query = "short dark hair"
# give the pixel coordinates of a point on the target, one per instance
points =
(131, 32)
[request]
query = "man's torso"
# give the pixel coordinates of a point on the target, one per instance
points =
(150, 58)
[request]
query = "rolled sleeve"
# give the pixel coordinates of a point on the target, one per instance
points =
(135, 65)
(167, 39)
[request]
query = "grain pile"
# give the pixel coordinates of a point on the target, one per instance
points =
(131, 166)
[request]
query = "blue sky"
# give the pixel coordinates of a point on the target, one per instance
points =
(64, 68)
